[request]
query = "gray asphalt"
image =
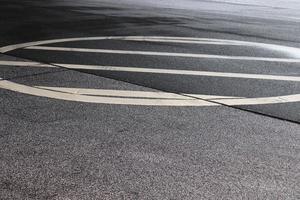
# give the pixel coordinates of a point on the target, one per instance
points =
(56, 149)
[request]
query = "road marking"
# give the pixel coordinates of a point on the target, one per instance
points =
(157, 71)
(152, 53)
(24, 89)
(117, 93)
(291, 51)
(183, 41)
(23, 64)
(260, 101)
(120, 97)
(38, 91)
(133, 94)
(181, 72)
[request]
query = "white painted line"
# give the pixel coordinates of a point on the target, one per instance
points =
(23, 64)
(132, 94)
(181, 72)
(211, 97)
(152, 53)
(183, 41)
(96, 99)
(149, 102)
(63, 95)
(157, 71)
(291, 51)
(260, 101)
(27, 44)
(116, 93)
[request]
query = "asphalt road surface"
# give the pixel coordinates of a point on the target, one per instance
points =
(145, 99)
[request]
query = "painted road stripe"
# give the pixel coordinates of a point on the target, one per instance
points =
(181, 72)
(285, 50)
(260, 101)
(291, 51)
(152, 53)
(24, 89)
(23, 64)
(183, 41)
(133, 94)
(157, 71)
(116, 93)
(150, 102)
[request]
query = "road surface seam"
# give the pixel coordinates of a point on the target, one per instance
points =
(184, 95)
(33, 74)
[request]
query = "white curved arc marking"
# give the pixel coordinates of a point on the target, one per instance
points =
(260, 101)
(286, 49)
(291, 51)
(182, 41)
(153, 53)
(134, 94)
(117, 93)
(181, 72)
(24, 64)
(156, 71)
(96, 99)
(35, 91)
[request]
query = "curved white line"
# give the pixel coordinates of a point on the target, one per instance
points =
(154, 53)
(132, 94)
(24, 64)
(260, 101)
(36, 91)
(156, 71)
(181, 72)
(24, 89)
(292, 51)
(182, 41)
